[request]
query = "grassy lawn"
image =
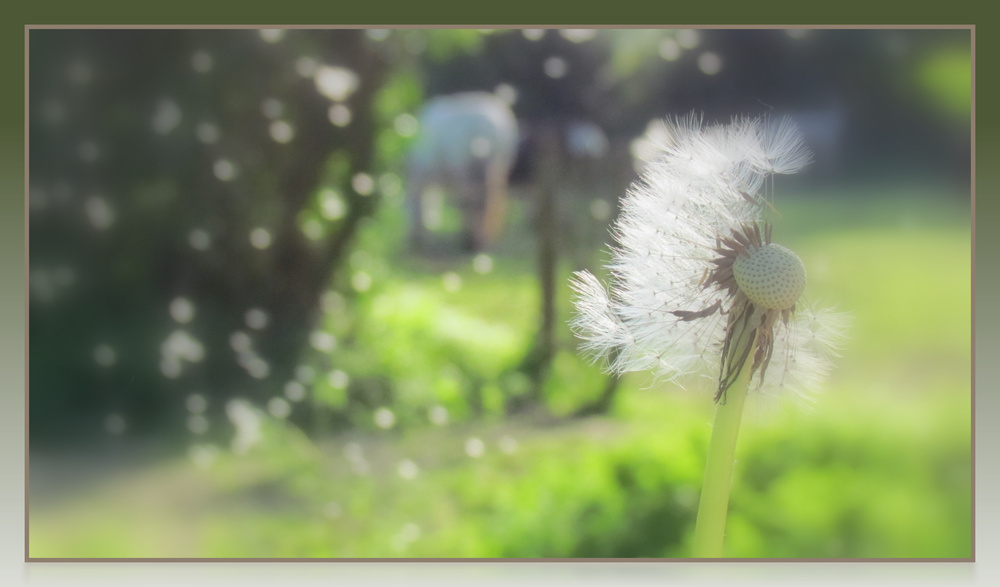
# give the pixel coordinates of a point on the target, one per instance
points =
(880, 467)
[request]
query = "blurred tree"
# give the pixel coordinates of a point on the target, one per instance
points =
(177, 167)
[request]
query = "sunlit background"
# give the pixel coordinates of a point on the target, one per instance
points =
(238, 350)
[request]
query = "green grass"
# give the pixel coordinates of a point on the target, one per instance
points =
(880, 467)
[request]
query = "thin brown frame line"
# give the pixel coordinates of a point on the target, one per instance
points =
(27, 300)
(971, 28)
(972, 288)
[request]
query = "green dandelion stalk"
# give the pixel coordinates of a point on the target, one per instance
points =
(694, 272)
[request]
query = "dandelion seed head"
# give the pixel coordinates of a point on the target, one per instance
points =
(696, 288)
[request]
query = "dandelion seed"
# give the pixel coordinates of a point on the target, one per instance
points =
(406, 125)
(408, 470)
(507, 93)
(353, 451)
(361, 281)
(182, 310)
(81, 71)
(305, 374)
(203, 455)
(281, 131)
(414, 43)
(339, 115)
(363, 184)
(295, 391)
(272, 35)
(332, 206)
(332, 510)
(240, 341)
(688, 38)
(360, 466)
(105, 356)
(406, 535)
(391, 187)
(176, 350)
(670, 50)
(322, 341)
(709, 63)
(115, 424)
(555, 67)
(168, 115)
(199, 239)
(438, 415)
(410, 532)
(336, 83)
(338, 379)
(207, 133)
(482, 264)
(202, 61)
(279, 408)
(306, 66)
(508, 445)
(256, 318)
(600, 209)
(63, 276)
(53, 111)
(578, 35)
(474, 447)
(695, 271)
(384, 418)
(272, 108)
(256, 367)
(332, 302)
(260, 238)
(197, 424)
(313, 229)
(247, 421)
(196, 403)
(224, 169)
(99, 212)
(452, 281)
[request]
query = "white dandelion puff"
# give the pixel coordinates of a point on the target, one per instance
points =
(696, 287)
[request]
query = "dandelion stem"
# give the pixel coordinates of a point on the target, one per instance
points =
(710, 526)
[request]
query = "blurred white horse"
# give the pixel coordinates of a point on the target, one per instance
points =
(467, 145)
